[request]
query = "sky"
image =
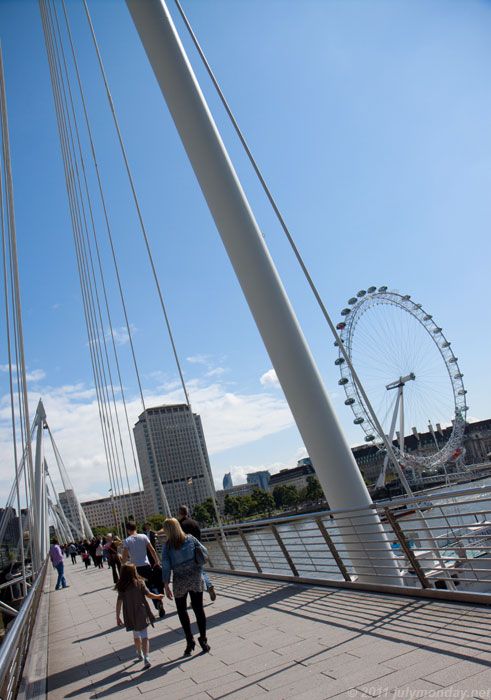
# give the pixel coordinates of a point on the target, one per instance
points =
(370, 123)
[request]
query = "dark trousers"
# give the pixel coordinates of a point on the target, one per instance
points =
(87, 562)
(74, 558)
(197, 605)
(146, 573)
(116, 564)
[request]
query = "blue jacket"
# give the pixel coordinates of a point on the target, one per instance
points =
(173, 558)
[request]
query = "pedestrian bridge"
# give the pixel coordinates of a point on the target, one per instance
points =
(268, 638)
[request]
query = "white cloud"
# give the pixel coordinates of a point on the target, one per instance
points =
(121, 335)
(269, 379)
(230, 420)
(36, 375)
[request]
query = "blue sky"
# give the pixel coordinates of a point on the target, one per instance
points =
(370, 122)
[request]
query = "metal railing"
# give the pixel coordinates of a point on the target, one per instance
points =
(441, 544)
(15, 646)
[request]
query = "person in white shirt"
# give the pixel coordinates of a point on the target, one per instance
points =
(137, 547)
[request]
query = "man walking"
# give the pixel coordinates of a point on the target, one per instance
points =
(57, 560)
(138, 548)
(191, 527)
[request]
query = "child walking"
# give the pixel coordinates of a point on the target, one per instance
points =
(132, 594)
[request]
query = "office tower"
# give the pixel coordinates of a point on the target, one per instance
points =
(169, 450)
(259, 478)
(227, 481)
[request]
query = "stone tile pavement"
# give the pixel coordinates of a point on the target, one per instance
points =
(272, 640)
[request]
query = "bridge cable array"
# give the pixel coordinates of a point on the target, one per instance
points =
(80, 201)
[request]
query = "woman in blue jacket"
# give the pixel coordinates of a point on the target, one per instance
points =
(178, 556)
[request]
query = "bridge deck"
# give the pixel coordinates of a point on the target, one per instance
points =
(270, 639)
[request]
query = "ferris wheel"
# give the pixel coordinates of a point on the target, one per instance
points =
(409, 374)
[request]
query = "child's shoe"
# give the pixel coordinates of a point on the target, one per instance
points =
(139, 656)
(147, 663)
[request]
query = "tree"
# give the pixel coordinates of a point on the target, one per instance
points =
(201, 514)
(99, 531)
(156, 521)
(314, 489)
(230, 506)
(290, 495)
(210, 507)
(264, 501)
(278, 496)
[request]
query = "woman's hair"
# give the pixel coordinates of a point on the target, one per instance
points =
(128, 577)
(174, 532)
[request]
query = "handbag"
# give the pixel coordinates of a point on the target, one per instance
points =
(200, 553)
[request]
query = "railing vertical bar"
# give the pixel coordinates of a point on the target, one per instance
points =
(333, 549)
(407, 549)
(224, 551)
(251, 553)
(284, 550)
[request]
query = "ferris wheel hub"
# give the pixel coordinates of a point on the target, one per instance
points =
(401, 381)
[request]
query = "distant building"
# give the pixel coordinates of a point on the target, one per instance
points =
(171, 450)
(477, 444)
(261, 479)
(70, 507)
(237, 490)
(227, 481)
(297, 476)
(9, 524)
(106, 512)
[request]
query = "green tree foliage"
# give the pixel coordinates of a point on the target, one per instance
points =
(263, 501)
(201, 514)
(314, 489)
(99, 531)
(156, 521)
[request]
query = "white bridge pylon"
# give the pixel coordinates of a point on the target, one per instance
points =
(69, 519)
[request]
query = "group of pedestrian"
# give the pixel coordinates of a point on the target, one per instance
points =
(138, 575)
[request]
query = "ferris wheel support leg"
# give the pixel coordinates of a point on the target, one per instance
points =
(298, 375)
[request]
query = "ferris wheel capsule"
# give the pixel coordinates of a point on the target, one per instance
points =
(339, 361)
(359, 420)
(369, 438)
(382, 289)
(361, 293)
(437, 330)
(349, 402)
(352, 300)
(371, 290)
(340, 326)
(345, 312)
(343, 381)
(445, 344)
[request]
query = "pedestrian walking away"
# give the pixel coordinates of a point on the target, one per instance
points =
(72, 551)
(132, 598)
(57, 560)
(138, 549)
(179, 556)
(113, 556)
(191, 527)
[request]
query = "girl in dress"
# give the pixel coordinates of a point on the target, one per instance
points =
(132, 594)
(178, 556)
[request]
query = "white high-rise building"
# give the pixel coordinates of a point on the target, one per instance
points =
(175, 458)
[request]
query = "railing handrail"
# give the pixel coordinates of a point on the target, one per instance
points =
(9, 646)
(362, 510)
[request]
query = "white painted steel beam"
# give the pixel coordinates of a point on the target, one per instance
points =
(294, 365)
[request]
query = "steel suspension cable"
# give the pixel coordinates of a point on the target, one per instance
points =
(204, 466)
(17, 326)
(74, 196)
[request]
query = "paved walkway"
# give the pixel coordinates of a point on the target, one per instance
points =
(271, 640)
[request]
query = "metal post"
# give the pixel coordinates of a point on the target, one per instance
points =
(334, 463)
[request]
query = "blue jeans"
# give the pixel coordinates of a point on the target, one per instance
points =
(61, 579)
(207, 580)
